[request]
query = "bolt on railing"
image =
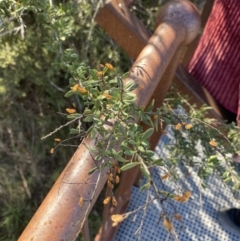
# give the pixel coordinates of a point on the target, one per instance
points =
(60, 217)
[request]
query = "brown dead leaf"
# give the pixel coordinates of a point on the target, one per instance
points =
(166, 176)
(168, 225)
(177, 216)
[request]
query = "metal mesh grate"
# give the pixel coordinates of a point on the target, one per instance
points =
(199, 214)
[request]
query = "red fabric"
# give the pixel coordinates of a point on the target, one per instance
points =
(216, 61)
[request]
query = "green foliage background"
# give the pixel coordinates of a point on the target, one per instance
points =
(32, 88)
(34, 35)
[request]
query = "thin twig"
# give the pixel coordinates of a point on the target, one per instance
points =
(59, 128)
(25, 184)
(138, 231)
(125, 215)
(91, 198)
(91, 27)
(221, 134)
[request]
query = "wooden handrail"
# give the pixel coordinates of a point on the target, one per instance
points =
(60, 217)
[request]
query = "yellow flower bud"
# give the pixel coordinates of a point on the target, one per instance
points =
(117, 218)
(188, 126)
(70, 111)
(114, 201)
(80, 202)
(106, 200)
(213, 143)
(109, 66)
(178, 126)
(100, 73)
(107, 96)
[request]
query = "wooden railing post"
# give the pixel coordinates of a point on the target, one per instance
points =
(60, 217)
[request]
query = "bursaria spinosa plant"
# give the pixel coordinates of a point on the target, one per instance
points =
(44, 44)
(111, 117)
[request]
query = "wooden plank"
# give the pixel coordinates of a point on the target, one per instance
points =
(124, 27)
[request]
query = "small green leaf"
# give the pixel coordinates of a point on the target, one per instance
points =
(88, 119)
(227, 179)
(93, 133)
(92, 170)
(113, 81)
(145, 171)
(129, 166)
(212, 158)
(93, 73)
(141, 149)
(158, 162)
(122, 129)
(150, 121)
(145, 144)
(144, 119)
(167, 194)
(131, 134)
(149, 153)
(129, 152)
(69, 93)
(204, 185)
(132, 142)
(124, 146)
(120, 158)
(226, 174)
(87, 112)
(113, 151)
(147, 134)
(94, 91)
(166, 120)
(130, 97)
(145, 186)
(125, 75)
(150, 107)
(74, 116)
(74, 131)
(99, 145)
(130, 85)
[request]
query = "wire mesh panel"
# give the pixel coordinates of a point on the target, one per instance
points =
(199, 214)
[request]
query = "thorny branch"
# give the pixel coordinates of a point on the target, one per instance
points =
(59, 128)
